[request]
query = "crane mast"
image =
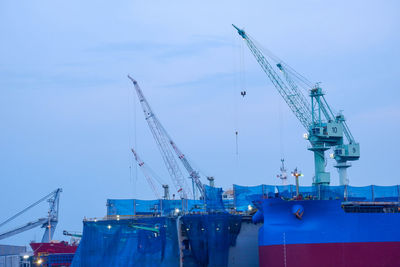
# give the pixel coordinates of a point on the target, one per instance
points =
(145, 173)
(163, 143)
(325, 130)
(322, 115)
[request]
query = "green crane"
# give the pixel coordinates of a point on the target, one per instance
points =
(325, 130)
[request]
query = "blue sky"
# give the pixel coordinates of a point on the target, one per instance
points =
(69, 114)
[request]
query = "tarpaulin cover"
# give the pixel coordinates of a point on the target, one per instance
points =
(386, 193)
(210, 237)
(359, 193)
(242, 194)
(158, 206)
(286, 191)
(213, 202)
(132, 242)
(214, 198)
(124, 243)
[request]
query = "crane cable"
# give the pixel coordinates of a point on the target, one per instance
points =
(303, 82)
(242, 89)
(132, 111)
(235, 90)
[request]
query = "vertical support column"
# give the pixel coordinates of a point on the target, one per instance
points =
(321, 176)
(342, 170)
(134, 207)
(194, 189)
(372, 193)
(205, 201)
(182, 205)
(180, 239)
(263, 191)
(319, 191)
(234, 196)
(211, 180)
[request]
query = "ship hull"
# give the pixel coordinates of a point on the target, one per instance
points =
(331, 254)
(53, 248)
(323, 234)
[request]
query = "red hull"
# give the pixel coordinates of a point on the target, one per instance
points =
(53, 248)
(331, 254)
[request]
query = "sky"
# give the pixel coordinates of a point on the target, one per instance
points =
(69, 115)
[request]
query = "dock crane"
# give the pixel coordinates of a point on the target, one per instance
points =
(145, 171)
(48, 223)
(163, 142)
(325, 130)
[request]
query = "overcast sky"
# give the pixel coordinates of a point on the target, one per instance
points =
(69, 115)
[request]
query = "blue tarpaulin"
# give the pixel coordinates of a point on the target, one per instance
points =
(124, 243)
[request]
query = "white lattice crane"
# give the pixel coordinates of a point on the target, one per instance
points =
(146, 173)
(163, 143)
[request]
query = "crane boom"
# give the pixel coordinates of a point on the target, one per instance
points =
(72, 234)
(194, 175)
(48, 223)
(145, 173)
(293, 98)
(23, 228)
(163, 143)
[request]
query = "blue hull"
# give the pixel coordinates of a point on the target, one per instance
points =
(323, 231)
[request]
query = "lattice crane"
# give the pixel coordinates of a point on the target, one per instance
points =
(325, 130)
(146, 173)
(194, 175)
(164, 144)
